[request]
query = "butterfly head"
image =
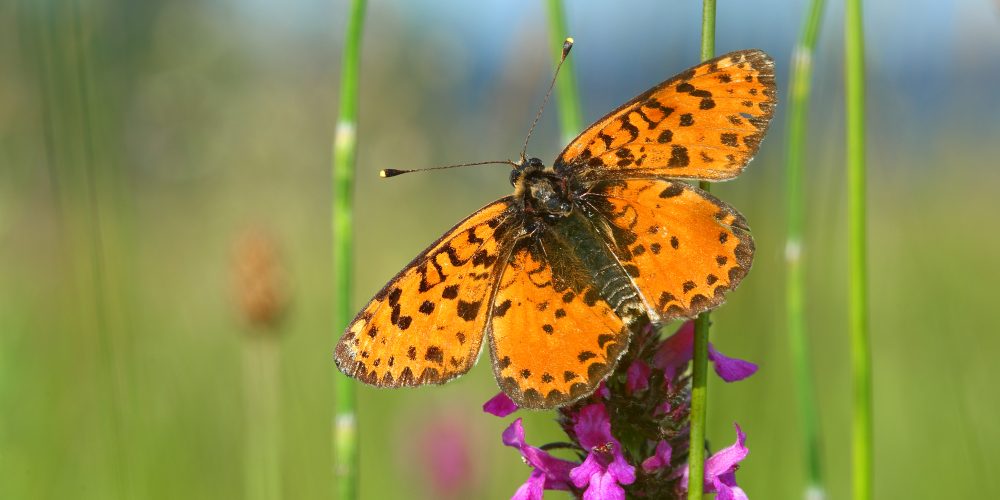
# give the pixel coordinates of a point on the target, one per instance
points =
(540, 190)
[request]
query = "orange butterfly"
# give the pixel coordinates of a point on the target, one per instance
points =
(558, 274)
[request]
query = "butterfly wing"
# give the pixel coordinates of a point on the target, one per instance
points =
(552, 338)
(705, 123)
(689, 247)
(426, 325)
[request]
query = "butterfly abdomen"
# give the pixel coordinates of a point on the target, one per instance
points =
(609, 280)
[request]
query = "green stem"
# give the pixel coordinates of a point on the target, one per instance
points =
(567, 98)
(699, 376)
(345, 439)
(854, 72)
(707, 29)
(262, 383)
(699, 408)
(795, 274)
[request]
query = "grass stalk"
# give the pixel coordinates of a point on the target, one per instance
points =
(58, 39)
(854, 74)
(699, 377)
(801, 76)
(345, 432)
(567, 97)
(93, 161)
(262, 383)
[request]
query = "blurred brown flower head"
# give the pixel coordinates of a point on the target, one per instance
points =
(259, 280)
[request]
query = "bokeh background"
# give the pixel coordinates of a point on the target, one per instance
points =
(161, 160)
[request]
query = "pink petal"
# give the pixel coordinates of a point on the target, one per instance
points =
(660, 458)
(603, 391)
(726, 492)
(593, 427)
(621, 470)
(725, 460)
(721, 465)
(730, 369)
(513, 435)
(581, 475)
(637, 378)
(500, 405)
(675, 351)
(532, 489)
(555, 470)
(604, 487)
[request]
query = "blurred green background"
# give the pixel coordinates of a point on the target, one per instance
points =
(141, 142)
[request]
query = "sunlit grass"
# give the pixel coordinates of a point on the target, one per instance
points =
(345, 434)
(862, 425)
(795, 279)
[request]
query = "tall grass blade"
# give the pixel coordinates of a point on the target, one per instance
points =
(854, 73)
(567, 97)
(345, 432)
(798, 340)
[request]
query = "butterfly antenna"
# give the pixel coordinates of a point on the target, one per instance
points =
(567, 45)
(392, 172)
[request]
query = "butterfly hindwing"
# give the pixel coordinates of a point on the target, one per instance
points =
(427, 324)
(552, 338)
(690, 247)
(705, 123)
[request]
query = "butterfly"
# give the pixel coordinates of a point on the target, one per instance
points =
(609, 236)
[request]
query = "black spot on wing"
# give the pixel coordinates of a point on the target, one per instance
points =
(468, 310)
(678, 157)
(674, 189)
(434, 354)
(427, 307)
(500, 310)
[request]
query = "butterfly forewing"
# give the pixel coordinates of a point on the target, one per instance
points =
(705, 123)
(689, 247)
(427, 324)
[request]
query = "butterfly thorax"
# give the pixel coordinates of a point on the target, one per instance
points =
(540, 190)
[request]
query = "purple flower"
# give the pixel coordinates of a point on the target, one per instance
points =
(660, 458)
(730, 369)
(677, 351)
(637, 377)
(445, 452)
(605, 469)
(720, 470)
(549, 473)
(603, 391)
(500, 405)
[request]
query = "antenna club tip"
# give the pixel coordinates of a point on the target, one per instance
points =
(390, 172)
(567, 45)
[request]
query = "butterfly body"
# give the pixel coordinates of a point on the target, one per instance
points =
(557, 275)
(558, 217)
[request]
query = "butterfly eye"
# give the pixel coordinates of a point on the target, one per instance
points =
(514, 176)
(535, 162)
